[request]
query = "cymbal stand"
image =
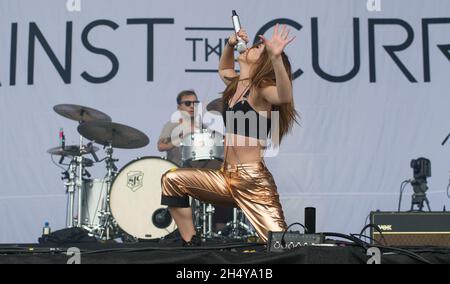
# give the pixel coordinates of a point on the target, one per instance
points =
(70, 184)
(79, 182)
(208, 210)
(106, 220)
(203, 218)
(237, 228)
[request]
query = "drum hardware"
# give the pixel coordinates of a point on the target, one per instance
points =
(209, 210)
(96, 126)
(77, 166)
(135, 199)
(106, 225)
(105, 215)
(238, 227)
(126, 202)
(72, 150)
(80, 113)
(70, 175)
(203, 214)
(111, 135)
(74, 174)
(202, 149)
(207, 218)
(161, 218)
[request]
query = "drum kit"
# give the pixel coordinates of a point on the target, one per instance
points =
(125, 204)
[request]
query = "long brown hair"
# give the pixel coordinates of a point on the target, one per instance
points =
(262, 75)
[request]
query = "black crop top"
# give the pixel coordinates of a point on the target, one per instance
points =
(242, 119)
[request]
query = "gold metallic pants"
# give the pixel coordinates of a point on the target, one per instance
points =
(248, 186)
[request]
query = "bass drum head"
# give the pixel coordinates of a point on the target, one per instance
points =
(135, 199)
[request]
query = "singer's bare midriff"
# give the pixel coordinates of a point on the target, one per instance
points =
(240, 149)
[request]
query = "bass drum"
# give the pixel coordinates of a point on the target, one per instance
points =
(135, 199)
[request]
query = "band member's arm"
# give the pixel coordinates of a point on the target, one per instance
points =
(164, 144)
(282, 92)
(226, 64)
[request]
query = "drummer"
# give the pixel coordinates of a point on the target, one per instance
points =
(186, 103)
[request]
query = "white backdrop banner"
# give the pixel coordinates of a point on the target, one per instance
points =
(371, 84)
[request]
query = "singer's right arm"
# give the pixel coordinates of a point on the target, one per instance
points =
(226, 64)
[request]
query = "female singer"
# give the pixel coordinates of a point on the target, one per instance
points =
(262, 90)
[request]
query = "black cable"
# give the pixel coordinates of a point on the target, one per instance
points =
(367, 219)
(374, 226)
(51, 156)
(397, 250)
(365, 246)
(368, 237)
(402, 188)
(32, 250)
(224, 247)
(283, 242)
(127, 249)
(448, 192)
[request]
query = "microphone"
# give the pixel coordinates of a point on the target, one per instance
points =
(62, 138)
(445, 140)
(241, 45)
(92, 152)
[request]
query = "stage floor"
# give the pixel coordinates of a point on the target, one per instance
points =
(208, 253)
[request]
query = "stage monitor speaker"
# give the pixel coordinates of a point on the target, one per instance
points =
(406, 229)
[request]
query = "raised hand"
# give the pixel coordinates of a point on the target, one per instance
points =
(278, 42)
(232, 40)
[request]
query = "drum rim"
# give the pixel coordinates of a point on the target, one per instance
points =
(138, 159)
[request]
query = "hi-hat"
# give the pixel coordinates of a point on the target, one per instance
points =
(81, 113)
(72, 150)
(215, 105)
(114, 134)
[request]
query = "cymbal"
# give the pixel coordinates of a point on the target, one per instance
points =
(215, 105)
(80, 113)
(118, 135)
(72, 150)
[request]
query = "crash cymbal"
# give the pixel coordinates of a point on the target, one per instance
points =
(80, 113)
(118, 135)
(215, 105)
(72, 150)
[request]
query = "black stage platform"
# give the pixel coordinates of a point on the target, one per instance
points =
(212, 253)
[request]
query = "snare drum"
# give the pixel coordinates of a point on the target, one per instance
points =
(203, 149)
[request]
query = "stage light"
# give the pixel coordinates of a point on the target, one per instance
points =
(421, 170)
